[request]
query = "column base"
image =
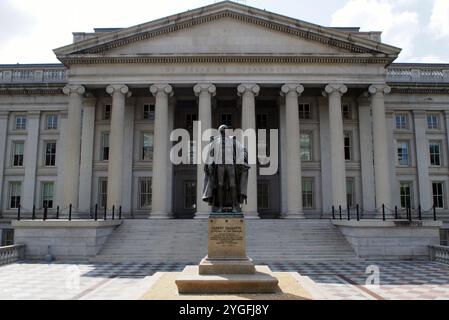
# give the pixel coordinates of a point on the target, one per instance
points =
(160, 215)
(251, 215)
(294, 215)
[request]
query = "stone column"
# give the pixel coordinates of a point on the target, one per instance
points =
(87, 150)
(61, 154)
(161, 159)
(30, 160)
(128, 151)
(338, 166)
(380, 146)
(248, 92)
(293, 153)
(204, 92)
(366, 155)
(73, 146)
(3, 140)
(115, 166)
(422, 159)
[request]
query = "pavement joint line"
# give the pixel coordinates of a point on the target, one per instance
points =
(360, 287)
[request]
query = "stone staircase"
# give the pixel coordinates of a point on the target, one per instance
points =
(185, 241)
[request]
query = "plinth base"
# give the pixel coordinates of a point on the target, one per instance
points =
(191, 282)
(220, 266)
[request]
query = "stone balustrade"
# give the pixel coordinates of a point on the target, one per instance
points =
(10, 74)
(11, 254)
(439, 254)
(425, 73)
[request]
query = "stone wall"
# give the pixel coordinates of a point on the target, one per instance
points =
(68, 240)
(391, 240)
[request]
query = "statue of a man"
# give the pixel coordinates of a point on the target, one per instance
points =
(226, 173)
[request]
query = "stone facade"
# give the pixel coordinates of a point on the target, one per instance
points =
(343, 110)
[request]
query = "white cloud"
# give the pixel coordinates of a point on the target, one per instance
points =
(439, 21)
(400, 27)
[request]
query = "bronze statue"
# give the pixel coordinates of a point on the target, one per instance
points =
(226, 173)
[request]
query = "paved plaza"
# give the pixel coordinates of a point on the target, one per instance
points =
(335, 280)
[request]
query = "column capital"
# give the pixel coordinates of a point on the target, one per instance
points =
(290, 88)
(73, 89)
(379, 89)
(205, 87)
(161, 88)
(118, 88)
(248, 88)
(335, 88)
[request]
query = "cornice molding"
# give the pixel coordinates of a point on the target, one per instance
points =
(97, 59)
(30, 91)
(419, 90)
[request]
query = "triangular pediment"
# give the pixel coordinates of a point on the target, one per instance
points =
(224, 29)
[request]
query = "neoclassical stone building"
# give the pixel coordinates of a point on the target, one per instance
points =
(354, 127)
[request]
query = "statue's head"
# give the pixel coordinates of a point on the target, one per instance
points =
(222, 129)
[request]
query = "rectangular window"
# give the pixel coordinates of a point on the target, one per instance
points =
(262, 121)
(308, 201)
(438, 194)
(50, 154)
(305, 140)
(435, 153)
(189, 194)
(263, 195)
(346, 112)
(226, 118)
(15, 193)
(147, 147)
(7, 237)
(403, 153)
(107, 112)
(145, 193)
(401, 121)
(18, 149)
(47, 195)
(20, 123)
(432, 121)
(148, 111)
(348, 146)
(305, 111)
(105, 146)
(103, 192)
(52, 122)
(406, 191)
(350, 192)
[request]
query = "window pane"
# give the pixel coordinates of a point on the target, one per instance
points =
(47, 195)
(350, 199)
(105, 146)
(145, 193)
(18, 149)
(432, 121)
(306, 147)
(435, 153)
(103, 192)
(401, 121)
(50, 154)
(15, 192)
(438, 194)
(107, 112)
(403, 153)
(147, 146)
(305, 111)
(52, 122)
(307, 193)
(406, 195)
(348, 146)
(20, 123)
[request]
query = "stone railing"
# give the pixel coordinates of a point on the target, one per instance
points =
(439, 254)
(424, 73)
(10, 74)
(11, 254)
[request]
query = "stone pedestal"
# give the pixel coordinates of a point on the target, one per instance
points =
(227, 268)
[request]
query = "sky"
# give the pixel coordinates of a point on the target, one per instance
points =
(31, 29)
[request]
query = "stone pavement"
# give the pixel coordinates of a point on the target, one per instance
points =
(336, 280)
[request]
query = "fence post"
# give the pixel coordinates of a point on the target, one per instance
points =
(34, 213)
(105, 208)
(120, 213)
(96, 212)
(383, 212)
(70, 212)
(358, 213)
(419, 213)
(349, 213)
(434, 213)
(333, 212)
(113, 212)
(57, 212)
(18, 212)
(339, 209)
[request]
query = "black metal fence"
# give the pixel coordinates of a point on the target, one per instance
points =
(385, 213)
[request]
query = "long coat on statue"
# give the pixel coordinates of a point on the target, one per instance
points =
(210, 194)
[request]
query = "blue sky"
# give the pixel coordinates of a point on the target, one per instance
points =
(30, 29)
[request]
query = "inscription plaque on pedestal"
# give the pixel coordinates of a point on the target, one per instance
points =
(227, 238)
